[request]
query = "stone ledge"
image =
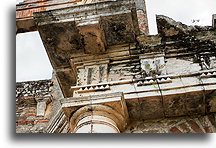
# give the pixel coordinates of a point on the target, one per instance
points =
(114, 102)
(158, 96)
(150, 81)
(79, 12)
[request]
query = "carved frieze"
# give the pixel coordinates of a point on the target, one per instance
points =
(93, 72)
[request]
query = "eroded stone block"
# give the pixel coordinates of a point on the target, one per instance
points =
(61, 40)
(195, 103)
(174, 105)
(93, 37)
(119, 29)
(151, 107)
(134, 108)
(41, 105)
(210, 101)
(153, 64)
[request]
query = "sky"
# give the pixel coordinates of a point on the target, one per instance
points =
(32, 62)
(18, 1)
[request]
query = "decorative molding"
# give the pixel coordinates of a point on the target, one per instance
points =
(79, 13)
(151, 80)
(208, 74)
(112, 103)
(94, 88)
(57, 123)
(91, 115)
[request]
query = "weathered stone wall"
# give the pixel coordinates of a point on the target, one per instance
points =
(182, 52)
(108, 72)
(186, 50)
(27, 120)
(57, 120)
(197, 124)
(142, 16)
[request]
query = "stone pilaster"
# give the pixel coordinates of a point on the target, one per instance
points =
(42, 104)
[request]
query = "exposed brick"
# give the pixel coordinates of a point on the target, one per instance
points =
(31, 111)
(208, 130)
(30, 114)
(19, 111)
(184, 127)
(25, 122)
(206, 124)
(142, 20)
(195, 126)
(21, 118)
(172, 123)
(43, 121)
(175, 130)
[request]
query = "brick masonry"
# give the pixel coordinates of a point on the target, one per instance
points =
(143, 22)
(26, 106)
(198, 124)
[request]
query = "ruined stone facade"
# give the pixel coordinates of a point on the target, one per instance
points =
(110, 76)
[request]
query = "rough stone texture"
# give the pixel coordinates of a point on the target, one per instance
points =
(25, 10)
(42, 105)
(197, 124)
(70, 32)
(33, 88)
(182, 45)
(27, 120)
(118, 29)
(143, 22)
(142, 16)
(166, 81)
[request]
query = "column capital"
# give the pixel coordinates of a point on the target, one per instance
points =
(94, 115)
(110, 106)
(45, 99)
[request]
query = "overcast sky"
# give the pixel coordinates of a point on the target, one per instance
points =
(32, 62)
